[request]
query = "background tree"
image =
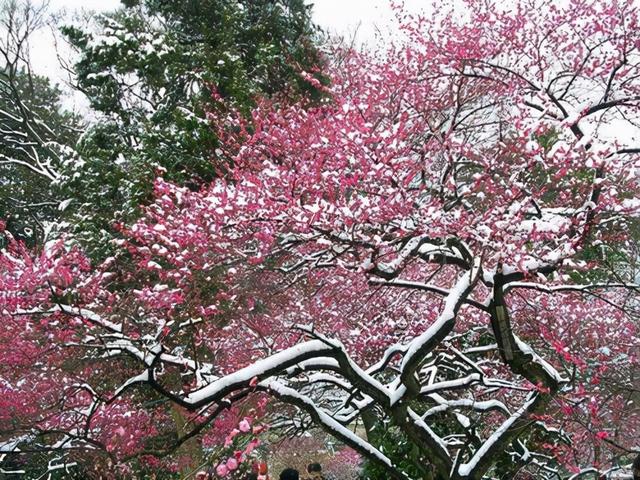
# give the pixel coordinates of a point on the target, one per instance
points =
(37, 134)
(149, 70)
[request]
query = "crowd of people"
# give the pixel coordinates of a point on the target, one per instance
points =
(314, 472)
(261, 472)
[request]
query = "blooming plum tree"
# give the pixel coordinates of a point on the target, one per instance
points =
(434, 264)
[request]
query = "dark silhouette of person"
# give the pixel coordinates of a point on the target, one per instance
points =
(289, 474)
(315, 471)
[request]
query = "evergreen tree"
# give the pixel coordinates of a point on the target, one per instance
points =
(37, 134)
(150, 69)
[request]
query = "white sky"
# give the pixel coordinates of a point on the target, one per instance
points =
(341, 17)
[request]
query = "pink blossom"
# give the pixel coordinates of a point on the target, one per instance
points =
(244, 425)
(232, 464)
(222, 470)
(229, 438)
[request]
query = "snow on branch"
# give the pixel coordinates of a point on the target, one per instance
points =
(260, 369)
(493, 442)
(335, 428)
(425, 342)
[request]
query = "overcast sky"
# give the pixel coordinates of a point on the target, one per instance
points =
(341, 17)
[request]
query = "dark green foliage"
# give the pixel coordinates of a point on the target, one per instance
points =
(405, 454)
(611, 259)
